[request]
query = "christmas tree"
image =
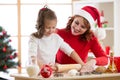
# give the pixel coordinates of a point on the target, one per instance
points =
(7, 53)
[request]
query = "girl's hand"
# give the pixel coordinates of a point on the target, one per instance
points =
(89, 66)
(53, 66)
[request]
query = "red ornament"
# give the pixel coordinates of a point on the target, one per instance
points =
(5, 67)
(15, 55)
(11, 57)
(10, 40)
(46, 71)
(4, 32)
(4, 49)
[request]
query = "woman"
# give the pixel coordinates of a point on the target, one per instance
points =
(79, 35)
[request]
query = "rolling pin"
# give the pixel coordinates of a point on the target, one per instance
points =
(67, 67)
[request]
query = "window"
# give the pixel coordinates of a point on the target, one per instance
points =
(28, 15)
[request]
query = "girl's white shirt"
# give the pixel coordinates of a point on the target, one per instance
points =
(46, 48)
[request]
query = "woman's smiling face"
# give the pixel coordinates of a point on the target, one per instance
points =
(78, 27)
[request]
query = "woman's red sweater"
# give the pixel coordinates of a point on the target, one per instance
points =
(82, 48)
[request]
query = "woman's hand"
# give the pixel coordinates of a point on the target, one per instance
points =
(89, 66)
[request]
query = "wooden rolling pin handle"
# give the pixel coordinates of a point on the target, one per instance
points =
(67, 67)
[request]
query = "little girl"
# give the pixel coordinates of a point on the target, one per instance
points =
(45, 43)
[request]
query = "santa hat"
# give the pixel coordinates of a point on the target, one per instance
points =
(93, 16)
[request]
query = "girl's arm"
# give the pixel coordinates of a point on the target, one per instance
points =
(40, 63)
(68, 50)
(76, 57)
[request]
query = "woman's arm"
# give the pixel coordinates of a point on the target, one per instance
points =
(100, 55)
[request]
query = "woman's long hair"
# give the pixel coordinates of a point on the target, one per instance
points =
(88, 34)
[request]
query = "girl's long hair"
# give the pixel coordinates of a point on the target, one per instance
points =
(43, 15)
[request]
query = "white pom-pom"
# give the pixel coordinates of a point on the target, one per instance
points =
(100, 33)
(72, 72)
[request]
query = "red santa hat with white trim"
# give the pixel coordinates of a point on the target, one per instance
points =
(93, 16)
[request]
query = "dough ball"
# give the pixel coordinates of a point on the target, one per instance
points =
(72, 72)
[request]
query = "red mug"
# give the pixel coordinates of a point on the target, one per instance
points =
(117, 63)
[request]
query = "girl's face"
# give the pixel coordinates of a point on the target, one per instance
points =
(50, 26)
(78, 27)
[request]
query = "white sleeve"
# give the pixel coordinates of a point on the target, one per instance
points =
(66, 48)
(32, 46)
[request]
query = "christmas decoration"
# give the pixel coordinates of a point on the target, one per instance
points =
(7, 53)
(46, 71)
(104, 23)
(112, 66)
(101, 32)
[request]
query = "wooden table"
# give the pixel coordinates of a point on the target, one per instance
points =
(111, 76)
